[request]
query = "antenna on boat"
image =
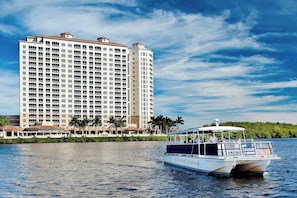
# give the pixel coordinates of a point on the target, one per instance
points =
(217, 122)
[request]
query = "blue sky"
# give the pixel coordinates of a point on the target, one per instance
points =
(235, 60)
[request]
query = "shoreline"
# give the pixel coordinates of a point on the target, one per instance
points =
(20, 140)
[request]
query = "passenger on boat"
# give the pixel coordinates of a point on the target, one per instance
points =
(196, 140)
(213, 138)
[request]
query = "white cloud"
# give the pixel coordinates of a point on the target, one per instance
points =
(186, 46)
(276, 85)
(7, 29)
(9, 96)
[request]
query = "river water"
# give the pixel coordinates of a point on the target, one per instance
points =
(130, 169)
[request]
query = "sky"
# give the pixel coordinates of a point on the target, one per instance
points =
(233, 61)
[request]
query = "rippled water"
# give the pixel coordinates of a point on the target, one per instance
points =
(129, 169)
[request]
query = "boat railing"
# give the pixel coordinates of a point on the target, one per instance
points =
(264, 148)
(229, 149)
(246, 148)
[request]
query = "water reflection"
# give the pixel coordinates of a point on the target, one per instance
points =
(126, 169)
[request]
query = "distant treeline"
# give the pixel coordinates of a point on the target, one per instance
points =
(266, 130)
(20, 140)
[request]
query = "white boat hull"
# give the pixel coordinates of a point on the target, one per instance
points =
(208, 165)
(256, 166)
(220, 166)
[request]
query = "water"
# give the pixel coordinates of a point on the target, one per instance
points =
(129, 169)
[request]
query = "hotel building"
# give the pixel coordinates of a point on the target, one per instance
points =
(141, 85)
(62, 76)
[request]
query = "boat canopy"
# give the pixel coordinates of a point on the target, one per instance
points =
(209, 129)
(188, 131)
(217, 129)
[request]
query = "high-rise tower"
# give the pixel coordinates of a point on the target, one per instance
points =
(62, 77)
(141, 85)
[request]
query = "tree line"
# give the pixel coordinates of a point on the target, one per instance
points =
(266, 129)
(165, 124)
(84, 122)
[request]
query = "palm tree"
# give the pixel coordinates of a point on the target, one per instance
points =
(152, 124)
(112, 122)
(96, 122)
(4, 121)
(168, 123)
(121, 122)
(179, 120)
(152, 121)
(75, 122)
(159, 122)
(84, 123)
(165, 123)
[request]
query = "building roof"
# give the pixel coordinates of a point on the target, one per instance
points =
(101, 42)
(42, 128)
(9, 128)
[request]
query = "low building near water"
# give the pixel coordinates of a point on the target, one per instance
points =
(45, 130)
(9, 131)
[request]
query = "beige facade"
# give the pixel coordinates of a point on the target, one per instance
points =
(141, 85)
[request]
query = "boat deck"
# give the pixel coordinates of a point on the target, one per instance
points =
(248, 148)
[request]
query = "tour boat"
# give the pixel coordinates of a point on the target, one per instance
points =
(230, 157)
